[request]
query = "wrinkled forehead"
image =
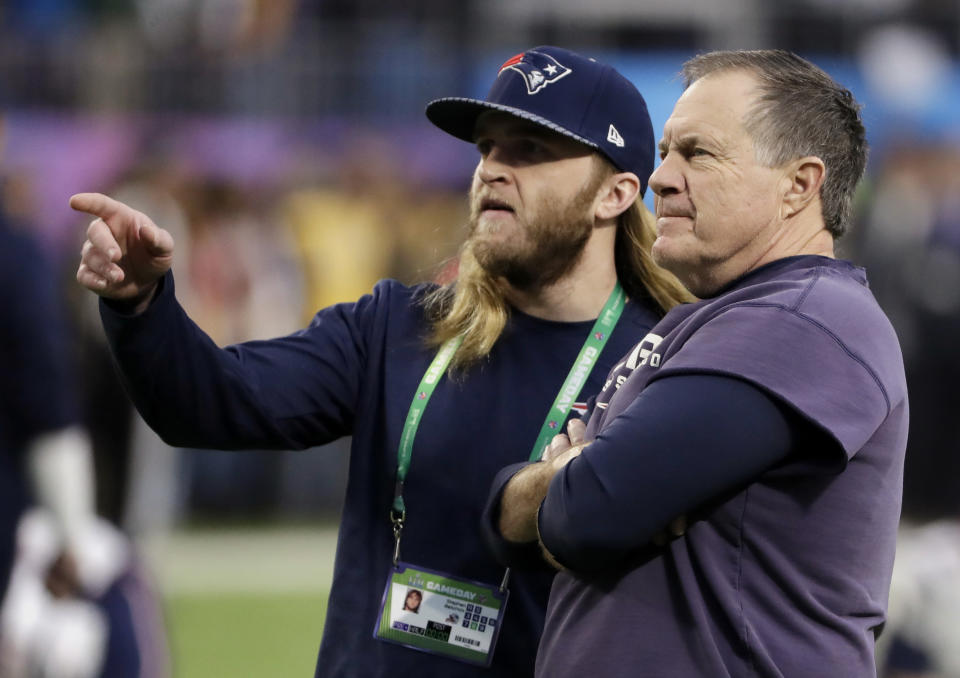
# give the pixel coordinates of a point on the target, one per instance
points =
(716, 105)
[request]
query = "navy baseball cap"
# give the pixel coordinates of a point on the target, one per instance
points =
(567, 93)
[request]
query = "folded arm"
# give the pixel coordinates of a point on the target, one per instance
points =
(685, 440)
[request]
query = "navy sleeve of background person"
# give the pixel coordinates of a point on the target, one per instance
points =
(37, 391)
(36, 395)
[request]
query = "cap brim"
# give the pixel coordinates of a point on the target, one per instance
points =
(458, 116)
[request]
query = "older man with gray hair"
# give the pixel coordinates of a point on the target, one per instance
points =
(772, 413)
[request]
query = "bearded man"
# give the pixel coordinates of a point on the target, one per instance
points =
(555, 282)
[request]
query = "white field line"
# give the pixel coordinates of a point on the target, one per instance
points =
(269, 560)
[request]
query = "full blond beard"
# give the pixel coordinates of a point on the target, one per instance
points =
(550, 244)
(475, 305)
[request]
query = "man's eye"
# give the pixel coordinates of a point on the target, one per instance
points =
(529, 146)
(700, 152)
(484, 146)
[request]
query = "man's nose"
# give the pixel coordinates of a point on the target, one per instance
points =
(492, 167)
(667, 178)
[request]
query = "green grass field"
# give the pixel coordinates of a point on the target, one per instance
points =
(252, 635)
(244, 603)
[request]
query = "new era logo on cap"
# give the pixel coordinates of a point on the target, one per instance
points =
(538, 69)
(613, 136)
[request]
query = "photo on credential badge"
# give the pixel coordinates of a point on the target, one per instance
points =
(431, 612)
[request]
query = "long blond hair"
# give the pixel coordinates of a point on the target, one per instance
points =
(474, 305)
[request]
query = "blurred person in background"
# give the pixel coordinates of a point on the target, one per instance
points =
(911, 233)
(772, 413)
(922, 636)
(72, 599)
(555, 266)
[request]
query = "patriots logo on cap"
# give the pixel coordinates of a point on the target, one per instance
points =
(538, 69)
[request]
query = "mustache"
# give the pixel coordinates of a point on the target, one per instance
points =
(487, 201)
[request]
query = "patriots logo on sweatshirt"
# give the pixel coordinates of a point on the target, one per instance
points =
(538, 69)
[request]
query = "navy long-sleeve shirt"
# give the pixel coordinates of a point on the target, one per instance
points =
(354, 371)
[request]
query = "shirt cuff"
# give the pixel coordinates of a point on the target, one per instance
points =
(511, 554)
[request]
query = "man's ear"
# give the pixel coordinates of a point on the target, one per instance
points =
(803, 180)
(616, 194)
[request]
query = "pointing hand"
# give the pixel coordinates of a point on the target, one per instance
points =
(125, 253)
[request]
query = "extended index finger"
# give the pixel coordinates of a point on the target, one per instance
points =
(101, 238)
(97, 204)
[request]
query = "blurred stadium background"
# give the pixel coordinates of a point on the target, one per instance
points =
(284, 144)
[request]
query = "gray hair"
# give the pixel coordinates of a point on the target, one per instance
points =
(801, 111)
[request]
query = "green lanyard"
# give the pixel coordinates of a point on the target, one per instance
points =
(556, 415)
(419, 404)
(582, 366)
